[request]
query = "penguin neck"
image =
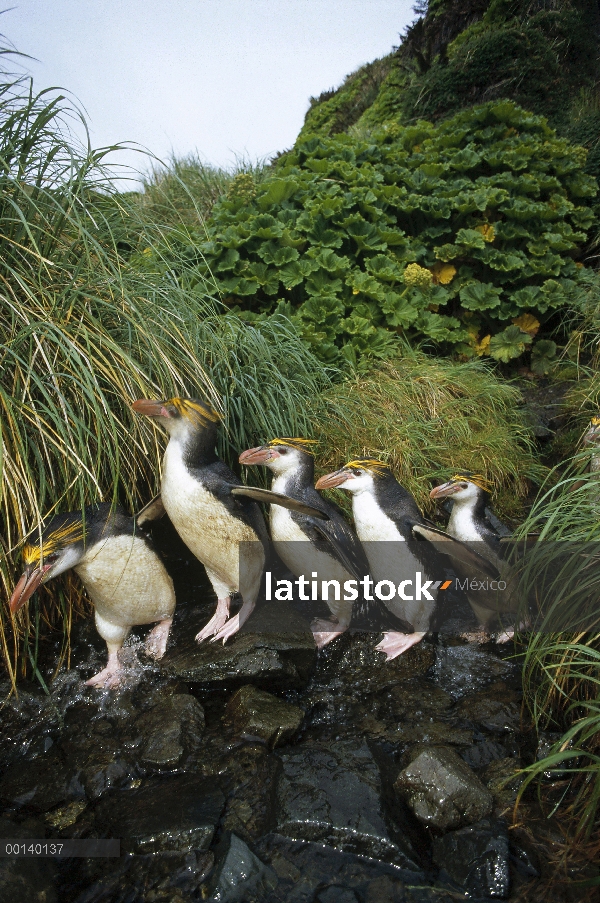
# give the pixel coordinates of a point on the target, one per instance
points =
(467, 518)
(195, 448)
(297, 477)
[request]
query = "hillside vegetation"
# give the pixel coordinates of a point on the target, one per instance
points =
(542, 54)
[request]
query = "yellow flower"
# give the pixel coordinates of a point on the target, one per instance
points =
(356, 291)
(417, 276)
(483, 346)
(443, 273)
(527, 323)
(487, 231)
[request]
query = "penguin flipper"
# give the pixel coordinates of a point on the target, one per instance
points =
(352, 559)
(455, 549)
(154, 510)
(277, 498)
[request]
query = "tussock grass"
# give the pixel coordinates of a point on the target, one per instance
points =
(561, 671)
(84, 331)
(184, 191)
(429, 417)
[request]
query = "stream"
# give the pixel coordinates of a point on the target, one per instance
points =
(264, 772)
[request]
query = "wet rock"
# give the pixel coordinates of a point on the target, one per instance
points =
(503, 780)
(331, 793)
(104, 769)
(482, 753)
(171, 731)
(42, 783)
(354, 656)
(493, 709)
(256, 715)
(310, 872)
(476, 858)
(248, 776)
(65, 816)
(176, 813)
(239, 875)
(442, 791)
(336, 894)
(458, 669)
(279, 660)
(159, 878)
(26, 879)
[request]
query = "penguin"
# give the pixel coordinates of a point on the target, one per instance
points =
(116, 562)
(470, 523)
(591, 440)
(216, 517)
(329, 547)
(384, 511)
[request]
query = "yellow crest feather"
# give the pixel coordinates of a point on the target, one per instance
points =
(65, 535)
(303, 445)
(198, 412)
(378, 468)
(476, 478)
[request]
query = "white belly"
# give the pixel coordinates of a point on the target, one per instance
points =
(461, 525)
(372, 525)
(207, 528)
(127, 582)
(391, 559)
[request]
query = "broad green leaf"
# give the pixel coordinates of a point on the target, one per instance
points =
(480, 296)
(506, 345)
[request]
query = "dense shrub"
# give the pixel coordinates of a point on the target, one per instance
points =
(452, 232)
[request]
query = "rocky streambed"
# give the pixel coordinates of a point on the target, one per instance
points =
(265, 772)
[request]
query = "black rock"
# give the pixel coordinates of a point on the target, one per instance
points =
(25, 879)
(42, 783)
(255, 715)
(442, 791)
(239, 876)
(258, 653)
(331, 793)
(160, 877)
(175, 813)
(476, 858)
(171, 731)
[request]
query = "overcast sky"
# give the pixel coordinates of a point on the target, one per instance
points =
(224, 77)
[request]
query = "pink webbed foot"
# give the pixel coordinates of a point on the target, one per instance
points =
(228, 630)
(156, 641)
(217, 621)
(110, 677)
(325, 631)
(394, 644)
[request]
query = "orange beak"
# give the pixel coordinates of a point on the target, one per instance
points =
(333, 480)
(150, 408)
(26, 587)
(443, 491)
(259, 455)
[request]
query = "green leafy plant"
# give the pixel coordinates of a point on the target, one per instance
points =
(490, 205)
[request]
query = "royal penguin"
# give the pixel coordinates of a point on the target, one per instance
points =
(384, 511)
(591, 440)
(216, 517)
(116, 562)
(470, 523)
(306, 544)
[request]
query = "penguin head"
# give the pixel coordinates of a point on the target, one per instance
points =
(181, 417)
(356, 476)
(592, 435)
(463, 487)
(281, 455)
(60, 545)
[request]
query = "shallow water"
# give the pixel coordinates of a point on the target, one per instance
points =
(221, 796)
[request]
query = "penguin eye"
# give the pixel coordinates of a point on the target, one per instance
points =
(283, 451)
